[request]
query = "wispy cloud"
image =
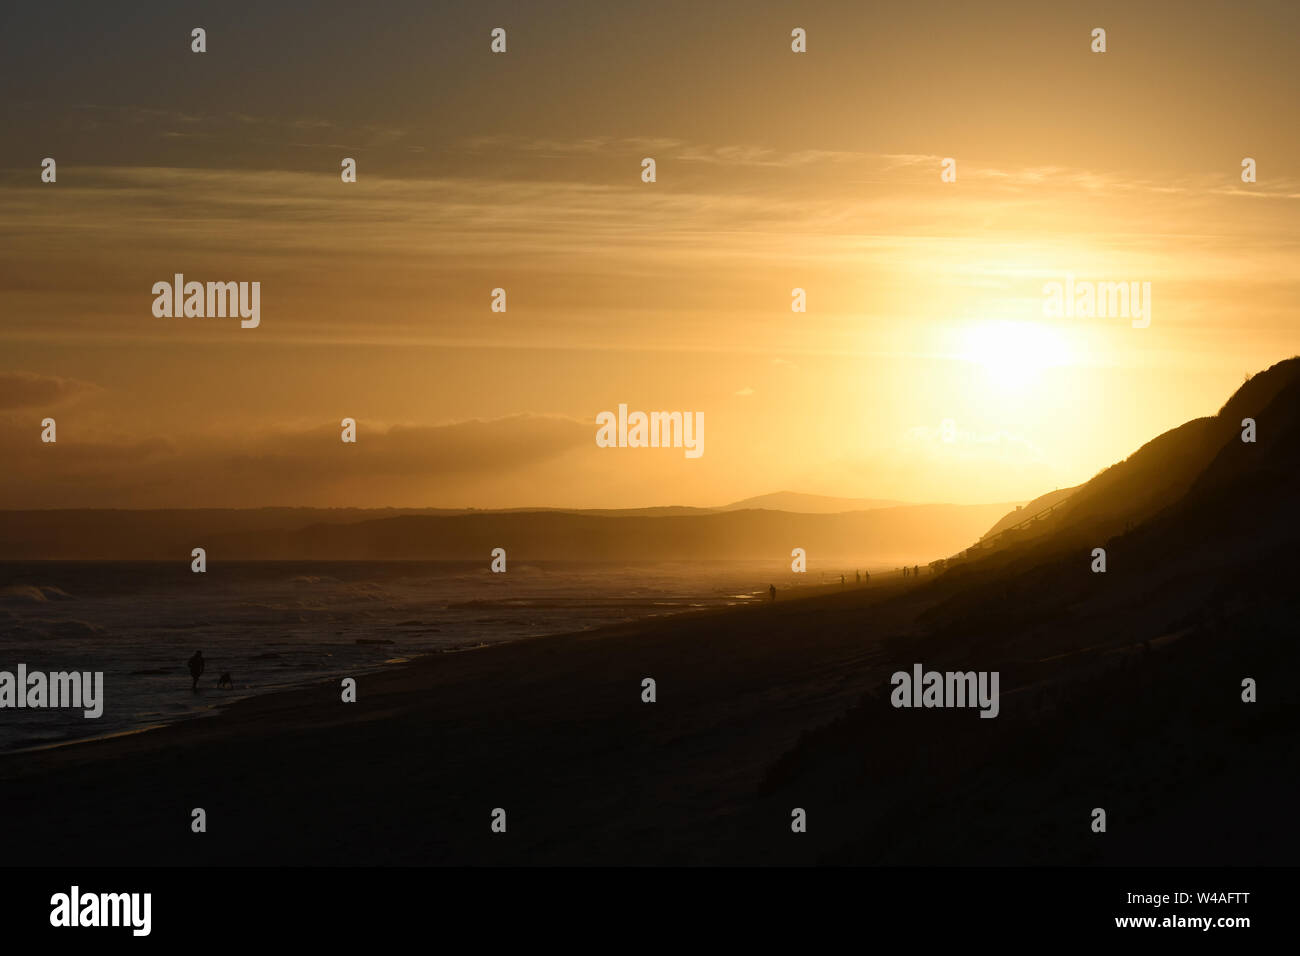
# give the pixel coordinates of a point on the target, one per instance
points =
(987, 242)
(414, 463)
(29, 390)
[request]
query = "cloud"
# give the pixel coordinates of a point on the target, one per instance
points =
(468, 447)
(584, 238)
(401, 464)
(28, 390)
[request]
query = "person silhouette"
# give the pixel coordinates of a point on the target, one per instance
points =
(196, 668)
(866, 577)
(771, 589)
(841, 580)
(857, 577)
(904, 572)
(916, 571)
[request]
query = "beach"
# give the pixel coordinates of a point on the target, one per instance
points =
(760, 710)
(552, 729)
(277, 625)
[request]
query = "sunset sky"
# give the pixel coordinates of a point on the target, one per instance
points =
(775, 170)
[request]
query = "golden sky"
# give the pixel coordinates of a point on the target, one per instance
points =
(775, 170)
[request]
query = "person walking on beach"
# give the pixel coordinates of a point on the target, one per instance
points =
(841, 580)
(857, 577)
(196, 668)
(771, 589)
(916, 570)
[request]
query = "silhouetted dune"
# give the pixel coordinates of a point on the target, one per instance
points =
(1037, 507)
(1162, 471)
(1120, 690)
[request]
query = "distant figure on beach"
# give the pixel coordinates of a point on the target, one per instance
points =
(841, 580)
(916, 571)
(196, 668)
(771, 589)
(857, 577)
(225, 681)
(866, 577)
(904, 573)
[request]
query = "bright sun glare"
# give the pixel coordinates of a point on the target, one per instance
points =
(1015, 354)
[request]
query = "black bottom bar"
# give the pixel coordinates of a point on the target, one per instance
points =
(334, 906)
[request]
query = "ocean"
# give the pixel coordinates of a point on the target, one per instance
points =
(273, 625)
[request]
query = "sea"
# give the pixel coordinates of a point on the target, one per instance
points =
(274, 625)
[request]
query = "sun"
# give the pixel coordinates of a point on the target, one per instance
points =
(1014, 354)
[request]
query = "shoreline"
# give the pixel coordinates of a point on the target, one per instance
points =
(757, 709)
(220, 707)
(531, 723)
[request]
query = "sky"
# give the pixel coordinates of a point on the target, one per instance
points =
(924, 368)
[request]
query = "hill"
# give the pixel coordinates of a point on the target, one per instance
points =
(888, 535)
(1121, 690)
(810, 504)
(1154, 477)
(1036, 508)
(892, 536)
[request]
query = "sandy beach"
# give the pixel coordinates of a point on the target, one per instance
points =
(760, 709)
(552, 729)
